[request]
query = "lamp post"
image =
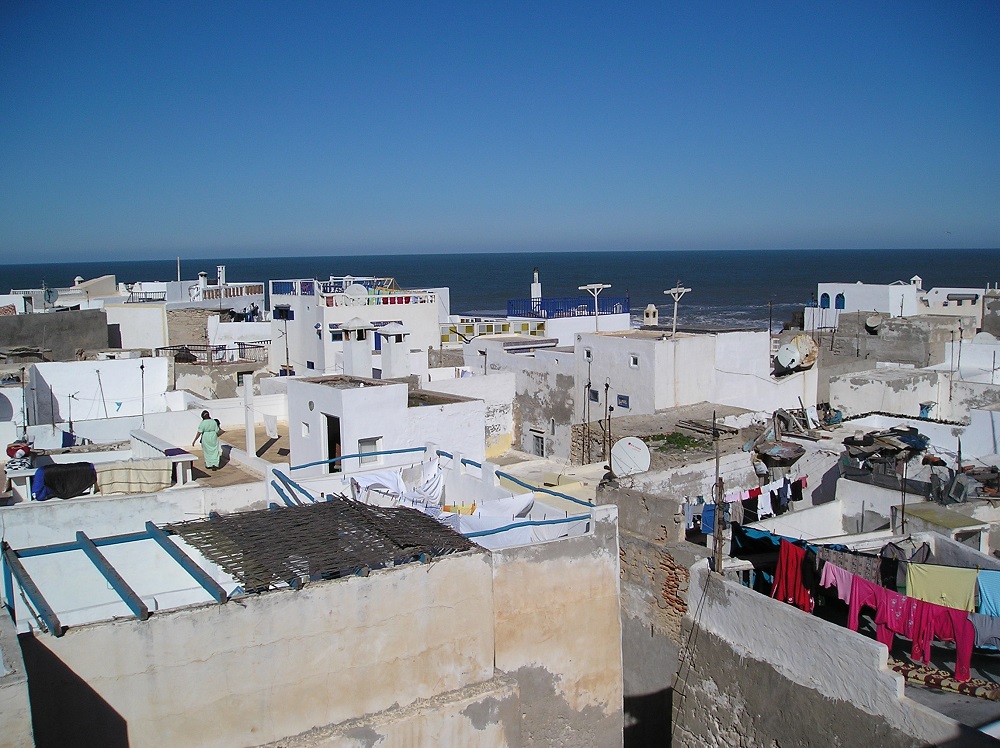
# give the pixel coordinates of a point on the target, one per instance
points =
(675, 293)
(595, 290)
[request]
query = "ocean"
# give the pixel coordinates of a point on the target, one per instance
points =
(728, 288)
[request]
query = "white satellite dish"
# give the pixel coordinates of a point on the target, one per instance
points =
(356, 293)
(51, 295)
(629, 456)
(788, 356)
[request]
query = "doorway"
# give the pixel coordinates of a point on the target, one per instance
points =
(333, 448)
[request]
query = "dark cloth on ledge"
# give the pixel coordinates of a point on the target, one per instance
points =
(64, 481)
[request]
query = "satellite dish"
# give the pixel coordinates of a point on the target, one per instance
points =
(356, 293)
(629, 456)
(788, 356)
(807, 348)
(872, 322)
(50, 295)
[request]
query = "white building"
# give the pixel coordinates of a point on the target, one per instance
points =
(897, 299)
(307, 317)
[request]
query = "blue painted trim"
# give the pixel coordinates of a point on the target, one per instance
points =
(202, 577)
(472, 462)
(442, 453)
(292, 486)
(118, 584)
(45, 550)
(27, 584)
(539, 489)
(283, 495)
(527, 523)
(364, 454)
(8, 586)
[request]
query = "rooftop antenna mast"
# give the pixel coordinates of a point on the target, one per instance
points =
(594, 289)
(676, 293)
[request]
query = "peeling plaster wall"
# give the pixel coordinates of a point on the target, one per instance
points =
(753, 662)
(890, 391)
(558, 633)
(498, 392)
(220, 381)
(279, 663)
(485, 715)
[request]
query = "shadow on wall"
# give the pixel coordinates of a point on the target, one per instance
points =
(826, 491)
(65, 710)
(647, 719)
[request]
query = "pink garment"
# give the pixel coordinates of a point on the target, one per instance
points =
(836, 576)
(947, 624)
(864, 594)
(898, 614)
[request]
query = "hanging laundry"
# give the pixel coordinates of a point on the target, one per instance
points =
(796, 490)
(988, 581)
(754, 492)
(688, 510)
(865, 594)
(897, 614)
(942, 585)
(708, 519)
(864, 566)
(947, 624)
(987, 630)
(788, 585)
(835, 576)
(66, 480)
(736, 512)
(271, 426)
(750, 511)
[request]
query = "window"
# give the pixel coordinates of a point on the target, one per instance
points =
(305, 429)
(633, 361)
(595, 396)
(368, 446)
(552, 426)
(538, 445)
(283, 312)
(588, 355)
(310, 365)
(623, 401)
(336, 336)
(839, 301)
(824, 301)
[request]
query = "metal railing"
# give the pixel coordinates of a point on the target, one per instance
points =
(216, 354)
(138, 297)
(569, 306)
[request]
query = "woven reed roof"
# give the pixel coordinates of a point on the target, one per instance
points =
(272, 547)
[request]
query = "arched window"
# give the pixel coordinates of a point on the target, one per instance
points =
(839, 301)
(824, 301)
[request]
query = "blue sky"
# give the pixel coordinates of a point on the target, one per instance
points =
(144, 129)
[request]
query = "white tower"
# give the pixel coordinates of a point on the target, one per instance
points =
(650, 316)
(357, 348)
(395, 351)
(536, 286)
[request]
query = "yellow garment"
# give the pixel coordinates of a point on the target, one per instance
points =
(461, 508)
(942, 585)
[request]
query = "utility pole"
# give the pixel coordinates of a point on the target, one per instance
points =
(595, 290)
(717, 530)
(676, 293)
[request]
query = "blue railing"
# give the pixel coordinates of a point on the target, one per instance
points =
(570, 306)
(519, 482)
(282, 288)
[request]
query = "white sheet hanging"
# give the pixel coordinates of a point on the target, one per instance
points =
(271, 426)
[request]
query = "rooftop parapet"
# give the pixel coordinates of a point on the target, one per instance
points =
(568, 306)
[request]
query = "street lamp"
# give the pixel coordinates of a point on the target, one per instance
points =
(675, 293)
(595, 290)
